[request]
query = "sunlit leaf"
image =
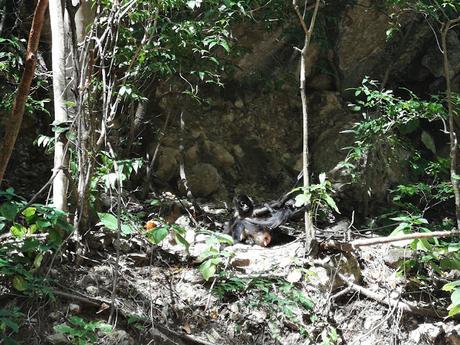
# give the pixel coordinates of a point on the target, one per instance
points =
(108, 220)
(18, 230)
(207, 269)
(158, 234)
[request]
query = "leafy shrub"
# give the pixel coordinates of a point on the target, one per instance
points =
(37, 230)
(9, 322)
(81, 332)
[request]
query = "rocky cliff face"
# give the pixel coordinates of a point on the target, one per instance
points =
(251, 132)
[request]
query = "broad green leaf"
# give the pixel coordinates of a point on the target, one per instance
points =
(104, 327)
(43, 224)
(207, 269)
(127, 229)
(224, 45)
(450, 286)
(78, 321)
(454, 310)
(108, 220)
(158, 234)
(455, 297)
(33, 229)
(224, 238)
(423, 245)
(29, 212)
(63, 328)
(402, 228)
(18, 230)
(302, 200)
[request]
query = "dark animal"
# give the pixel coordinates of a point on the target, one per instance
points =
(240, 226)
(257, 225)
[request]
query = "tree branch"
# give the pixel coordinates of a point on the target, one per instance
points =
(347, 247)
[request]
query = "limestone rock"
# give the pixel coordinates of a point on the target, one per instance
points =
(118, 337)
(57, 339)
(362, 41)
(168, 163)
(221, 157)
(204, 179)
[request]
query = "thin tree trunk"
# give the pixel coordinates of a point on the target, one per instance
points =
(13, 124)
(3, 13)
(309, 229)
(58, 51)
(454, 177)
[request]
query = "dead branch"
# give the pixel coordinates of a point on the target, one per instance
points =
(404, 306)
(95, 302)
(347, 247)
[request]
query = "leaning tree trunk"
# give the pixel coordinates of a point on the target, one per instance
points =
(454, 177)
(13, 123)
(58, 53)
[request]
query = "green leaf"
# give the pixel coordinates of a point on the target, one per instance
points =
(455, 297)
(18, 230)
(104, 327)
(428, 141)
(158, 234)
(423, 244)
(30, 244)
(64, 329)
(402, 228)
(78, 321)
(10, 323)
(207, 269)
(454, 310)
(43, 224)
(127, 229)
(302, 200)
(38, 261)
(224, 238)
(182, 241)
(450, 286)
(224, 45)
(331, 203)
(450, 263)
(19, 283)
(9, 211)
(108, 220)
(29, 212)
